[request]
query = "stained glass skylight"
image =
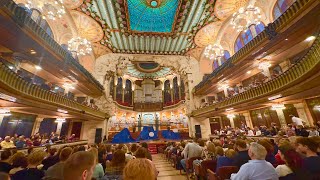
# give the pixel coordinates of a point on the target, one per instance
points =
(152, 16)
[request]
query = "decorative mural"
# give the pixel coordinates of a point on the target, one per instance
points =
(173, 119)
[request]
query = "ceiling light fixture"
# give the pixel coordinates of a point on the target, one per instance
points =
(38, 67)
(10, 67)
(317, 107)
(7, 97)
(245, 17)
(274, 97)
(62, 111)
(231, 116)
(33, 51)
(68, 86)
(248, 72)
(5, 112)
(310, 38)
(60, 120)
(51, 9)
(213, 52)
(223, 85)
(79, 45)
(278, 106)
(229, 109)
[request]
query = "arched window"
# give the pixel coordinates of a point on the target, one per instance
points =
(225, 57)
(37, 17)
(281, 6)
(245, 37)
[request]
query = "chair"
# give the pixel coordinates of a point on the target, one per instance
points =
(201, 169)
(212, 175)
(226, 171)
(189, 165)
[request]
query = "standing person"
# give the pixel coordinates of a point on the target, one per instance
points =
(79, 166)
(32, 172)
(191, 150)
(296, 121)
(257, 168)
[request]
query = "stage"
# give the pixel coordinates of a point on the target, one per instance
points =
(148, 134)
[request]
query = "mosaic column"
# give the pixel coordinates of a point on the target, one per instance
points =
(302, 110)
(248, 119)
(36, 125)
(281, 117)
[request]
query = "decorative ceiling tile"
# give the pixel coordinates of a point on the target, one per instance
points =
(207, 34)
(153, 27)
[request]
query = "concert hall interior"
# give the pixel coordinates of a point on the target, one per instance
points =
(159, 79)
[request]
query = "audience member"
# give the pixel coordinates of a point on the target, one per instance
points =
(257, 168)
(5, 166)
(308, 147)
(21, 142)
(32, 172)
(98, 170)
(115, 167)
(79, 166)
(139, 169)
(293, 162)
(51, 159)
(145, 145)
(55, 172)
(242, 156)
(226, 160)
(19, 162)
(192, 149)
(7, 143)
(4, 176)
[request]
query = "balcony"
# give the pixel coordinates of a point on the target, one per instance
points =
(301, 77)
(15, 20)
(263, 42)
(28, 94)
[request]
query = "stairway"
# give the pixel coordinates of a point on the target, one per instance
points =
(153, 148)
(166, 171)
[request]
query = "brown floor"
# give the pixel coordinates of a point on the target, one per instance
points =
(166, 171)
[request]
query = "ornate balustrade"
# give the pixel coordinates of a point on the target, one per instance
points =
(297, 73)
(21, 17)
(270, 32)
(14, 84)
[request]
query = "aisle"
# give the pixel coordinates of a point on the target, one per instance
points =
(166, 171)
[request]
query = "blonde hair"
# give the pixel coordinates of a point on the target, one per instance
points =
(36, 157)
(230, 153)
(211, 147)
(139, 169)
(219, 151)
(16, 156)
(94, 151)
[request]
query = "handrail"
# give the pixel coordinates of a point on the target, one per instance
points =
(268, 32)
(15, 83)
(23, 19)
(285, 80)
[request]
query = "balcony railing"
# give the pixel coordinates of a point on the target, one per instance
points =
(22, 18)
(297, 73)
(287, 17)
(16, 85)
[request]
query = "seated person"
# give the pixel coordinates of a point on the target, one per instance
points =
(5, 166)
(32, 172)
(308, 147)
(242, 157)
(293, 162)
(257, 168)
(226, 160)
(7, 143)
(115, 167)
(79, 165)
(139, 169)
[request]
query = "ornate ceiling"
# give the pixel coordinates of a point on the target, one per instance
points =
(150, 26)
(147, 70)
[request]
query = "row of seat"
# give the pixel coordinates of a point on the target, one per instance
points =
(205, 170)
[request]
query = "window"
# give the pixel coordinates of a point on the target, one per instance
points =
(225, 57)
(245, 37)
(281, 6)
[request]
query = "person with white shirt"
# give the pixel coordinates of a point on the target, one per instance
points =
(257, 168)
(296, 121)
(250, 132)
